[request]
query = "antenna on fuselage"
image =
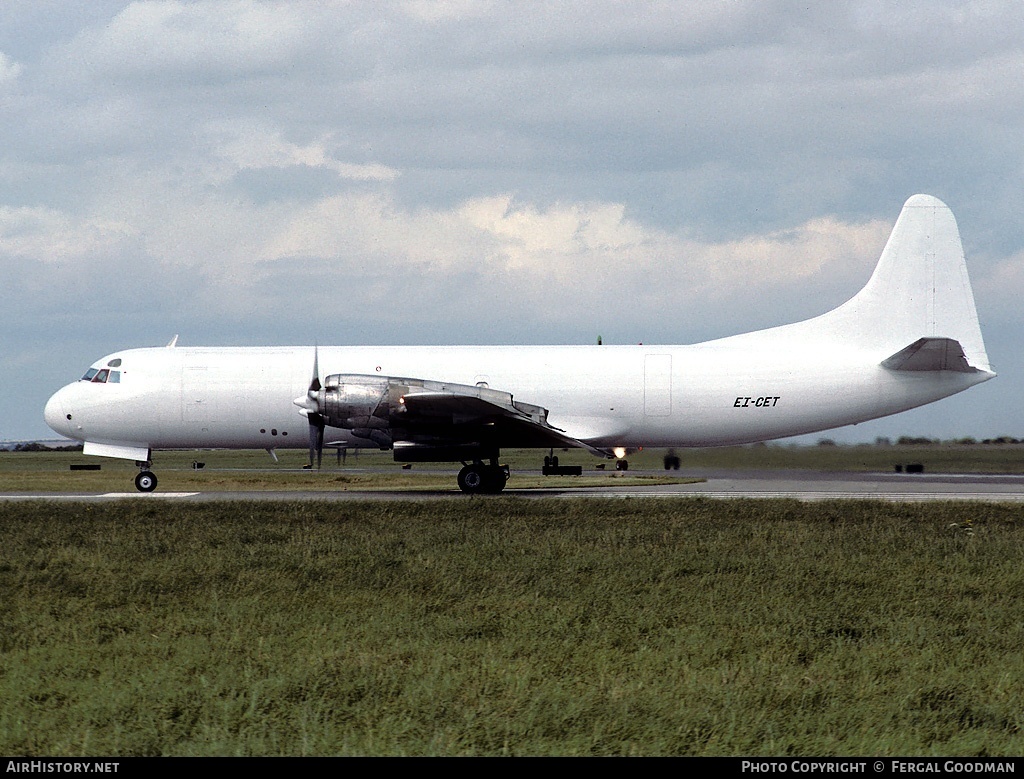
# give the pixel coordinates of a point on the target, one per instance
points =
(173, 342)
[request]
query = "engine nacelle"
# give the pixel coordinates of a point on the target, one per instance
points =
(425, 421)
(350, 401)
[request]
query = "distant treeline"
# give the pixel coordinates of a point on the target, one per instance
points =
(907, 440)
(919, 441)
(37, 447)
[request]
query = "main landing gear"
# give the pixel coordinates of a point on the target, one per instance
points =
(146, 479)
(481, 479)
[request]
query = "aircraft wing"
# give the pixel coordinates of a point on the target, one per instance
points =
(470, 413)
(423, 413)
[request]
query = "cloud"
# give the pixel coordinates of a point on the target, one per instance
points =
(52, 237)
(1001, 287)
(508, 259)
(446, 10)
(217, 40)
(9, 70)
(257, 149)
(489, 259)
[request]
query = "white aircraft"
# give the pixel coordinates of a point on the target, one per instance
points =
(909, 337)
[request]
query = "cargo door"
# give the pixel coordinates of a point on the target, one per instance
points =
(658, 385)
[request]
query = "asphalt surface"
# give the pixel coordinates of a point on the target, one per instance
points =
(719, 484)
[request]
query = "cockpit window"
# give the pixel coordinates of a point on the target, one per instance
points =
(115, 363)
(104, 375)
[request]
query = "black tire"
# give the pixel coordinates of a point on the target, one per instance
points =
(472, 480)
(145, 481)
(495, 480)
(622, 465)
(482, 479)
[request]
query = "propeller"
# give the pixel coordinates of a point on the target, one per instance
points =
(309, 406)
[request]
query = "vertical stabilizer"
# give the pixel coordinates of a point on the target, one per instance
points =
(920, 289)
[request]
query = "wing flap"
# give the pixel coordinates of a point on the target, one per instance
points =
(485, 413)
(469, 406)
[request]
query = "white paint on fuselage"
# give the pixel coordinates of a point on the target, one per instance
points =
(242, 397)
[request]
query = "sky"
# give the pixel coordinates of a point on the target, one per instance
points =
(476, 171)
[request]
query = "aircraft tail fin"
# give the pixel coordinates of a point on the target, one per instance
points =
(919, 294)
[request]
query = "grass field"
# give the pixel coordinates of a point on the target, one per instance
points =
(503, 626)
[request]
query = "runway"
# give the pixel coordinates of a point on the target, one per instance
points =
(717, 484)
(819, 485)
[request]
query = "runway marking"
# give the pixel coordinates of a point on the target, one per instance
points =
(102, 496)
(149, 494)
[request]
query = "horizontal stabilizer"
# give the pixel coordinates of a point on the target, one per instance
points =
(930, 354)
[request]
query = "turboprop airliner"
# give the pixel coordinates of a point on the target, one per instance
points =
(909, 337)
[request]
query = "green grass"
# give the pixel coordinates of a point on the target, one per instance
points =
(502, 626)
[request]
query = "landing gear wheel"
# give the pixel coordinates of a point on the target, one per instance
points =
(471, 479)
(483, 479)
(145, 481)
(496, 480)
(622, 465)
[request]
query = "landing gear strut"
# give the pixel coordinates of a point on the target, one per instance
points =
(480, 479)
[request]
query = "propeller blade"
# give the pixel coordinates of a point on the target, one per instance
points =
(310, 402)
(309, 405)
(316, 439)
(319, 446)
(314, 385)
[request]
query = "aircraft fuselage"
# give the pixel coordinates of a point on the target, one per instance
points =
(609, 396)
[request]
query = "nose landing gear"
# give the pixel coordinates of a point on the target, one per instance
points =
(145, 481)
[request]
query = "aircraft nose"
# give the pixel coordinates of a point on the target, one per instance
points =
(55, 415)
